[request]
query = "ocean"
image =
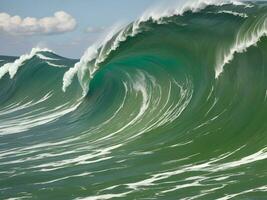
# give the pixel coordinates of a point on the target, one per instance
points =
(171, 106)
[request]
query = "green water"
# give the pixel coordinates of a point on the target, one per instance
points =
(156, 123)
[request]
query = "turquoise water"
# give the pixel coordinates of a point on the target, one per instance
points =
(176, 111)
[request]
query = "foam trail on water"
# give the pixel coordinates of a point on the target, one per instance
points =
(234, 13)
(45, 57)
(54, 65)
(12, 68)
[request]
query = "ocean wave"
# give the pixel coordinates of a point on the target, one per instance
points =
(171, 106)
(98, 52)
(12, 68)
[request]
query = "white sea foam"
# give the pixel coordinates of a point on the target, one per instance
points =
(29, 120)
(104, 196)
(168, 9)
(231, 196)
(45, 57)
(212, 166)
(241, 44)
(19, 106)
(90, 54)
(54, 65)
(79, 160)
(234, 13)
(64, 178)
(12, 68)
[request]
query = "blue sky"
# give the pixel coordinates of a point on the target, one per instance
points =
(78, 16)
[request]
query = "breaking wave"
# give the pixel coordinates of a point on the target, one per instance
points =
(171, 106)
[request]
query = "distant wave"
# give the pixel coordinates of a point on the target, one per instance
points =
(12, 68)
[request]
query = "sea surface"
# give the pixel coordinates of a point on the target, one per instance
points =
(171, 106)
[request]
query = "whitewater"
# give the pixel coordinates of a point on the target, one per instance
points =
(170, 106)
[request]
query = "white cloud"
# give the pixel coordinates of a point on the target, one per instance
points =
(59, 23)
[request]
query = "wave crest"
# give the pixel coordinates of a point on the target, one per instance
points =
(12, 68)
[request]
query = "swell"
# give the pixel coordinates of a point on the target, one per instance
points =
(31, 94)
(156, 120)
